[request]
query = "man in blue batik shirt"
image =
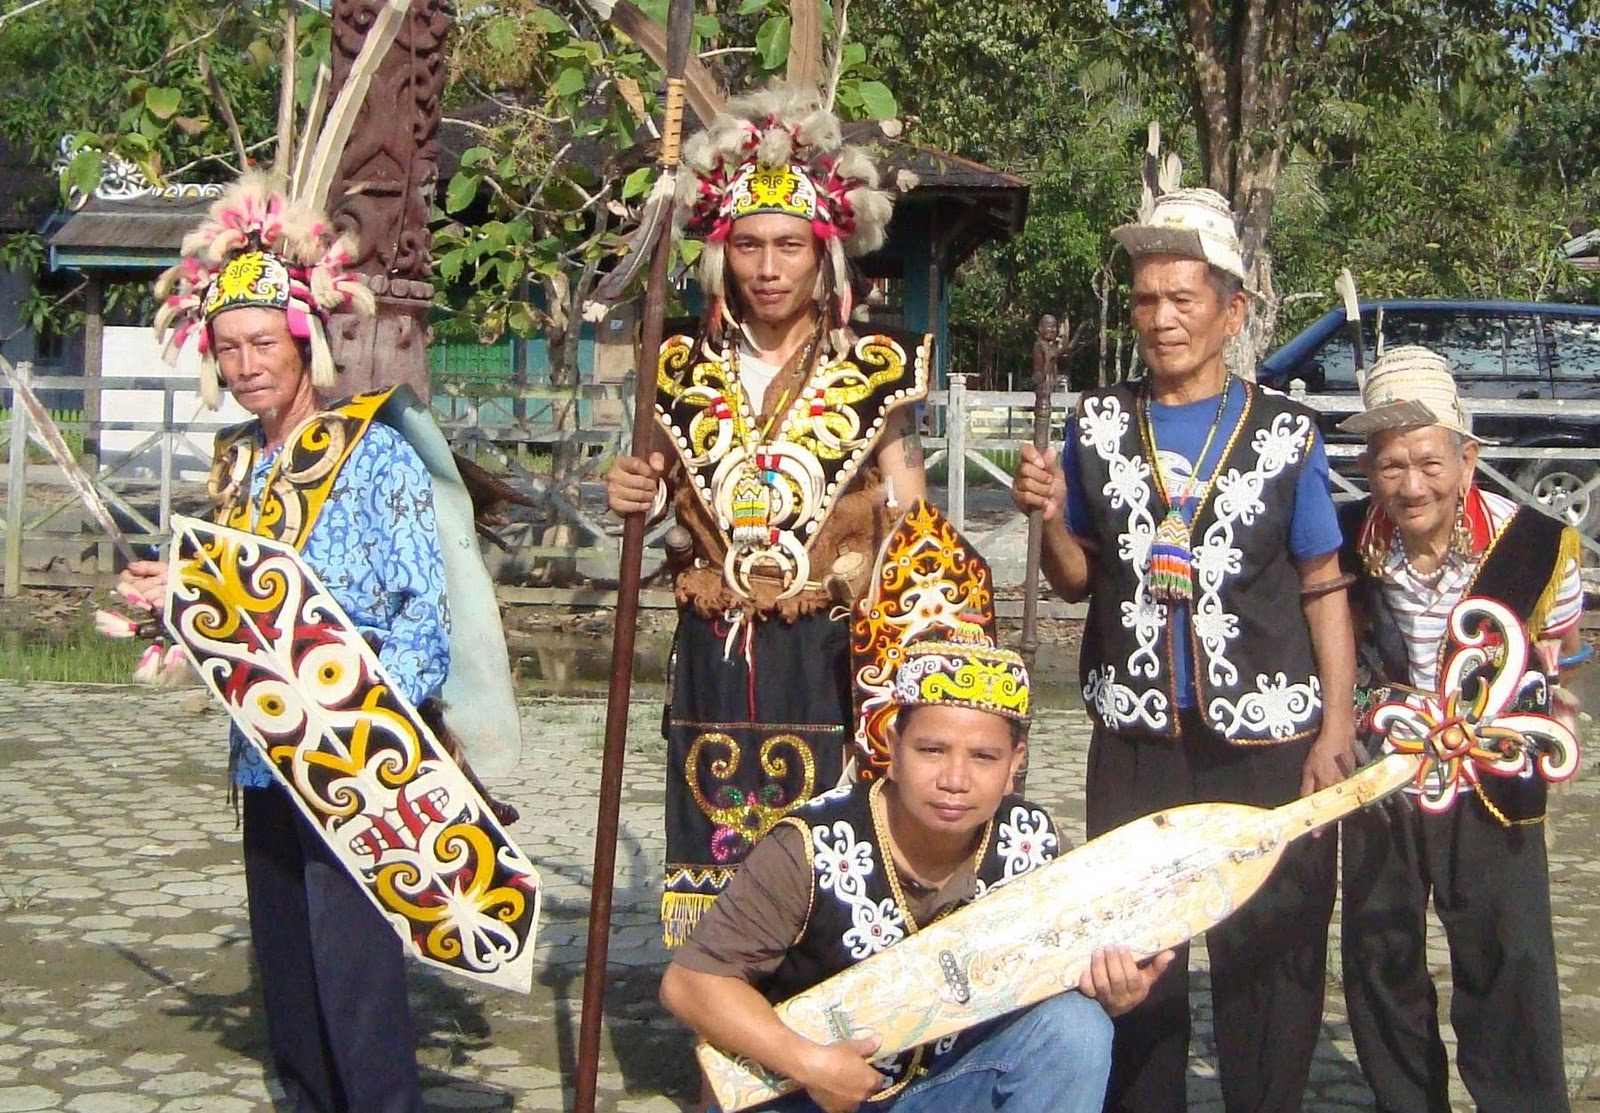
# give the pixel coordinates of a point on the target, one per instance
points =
(1193, 511)
(332, 972)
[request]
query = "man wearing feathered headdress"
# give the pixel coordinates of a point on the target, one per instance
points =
(1194, 513)
(253, 292)
(786, 437)
(353, 486)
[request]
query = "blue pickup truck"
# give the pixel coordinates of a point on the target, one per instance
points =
(1499, 349)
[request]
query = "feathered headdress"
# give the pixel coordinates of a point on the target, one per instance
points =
(267, 241)
(781, 151)
(924, 634)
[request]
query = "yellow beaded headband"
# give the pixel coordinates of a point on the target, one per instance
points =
(975, 674)
(770, 189)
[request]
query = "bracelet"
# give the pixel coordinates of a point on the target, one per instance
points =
(1576, 657)
(1327, 587)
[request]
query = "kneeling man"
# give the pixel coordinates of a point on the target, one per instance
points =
(855, 871)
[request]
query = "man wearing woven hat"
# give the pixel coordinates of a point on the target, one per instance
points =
(789, 438)
(1427, 538)
(858, 869)
(1192, 509)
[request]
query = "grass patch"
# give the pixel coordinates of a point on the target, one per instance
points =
(87, 659)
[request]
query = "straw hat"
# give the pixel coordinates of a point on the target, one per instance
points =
(1194, 223)
(1406, 387)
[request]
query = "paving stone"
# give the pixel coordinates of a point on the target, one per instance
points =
(18, 1099)
(136, 940)
(112, 1103)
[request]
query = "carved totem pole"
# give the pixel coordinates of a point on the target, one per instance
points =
(385, 186)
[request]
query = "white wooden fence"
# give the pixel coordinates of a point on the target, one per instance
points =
(976, 428)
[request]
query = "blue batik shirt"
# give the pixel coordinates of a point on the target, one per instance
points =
(376, 548)
(1181, 432)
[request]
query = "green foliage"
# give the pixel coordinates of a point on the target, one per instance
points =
(1033, 88)
(1429, 206)
(559, 174)
(124, 76)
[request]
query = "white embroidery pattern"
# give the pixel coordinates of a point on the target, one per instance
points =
(1025, 843)
(1238, 501)
(1276, 706)
(843, 864)
(1118, 706)
(1102, 426)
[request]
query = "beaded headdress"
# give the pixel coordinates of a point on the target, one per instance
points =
(267, 242)
(924, 634)
(781, 151)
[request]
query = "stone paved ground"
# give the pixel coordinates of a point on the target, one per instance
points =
(124, 958)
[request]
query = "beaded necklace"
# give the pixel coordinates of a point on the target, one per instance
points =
(755, 493)
(1170, 574)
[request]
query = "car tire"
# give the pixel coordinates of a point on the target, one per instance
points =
(1553, 482)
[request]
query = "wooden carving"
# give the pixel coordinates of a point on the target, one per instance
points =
(384, 192)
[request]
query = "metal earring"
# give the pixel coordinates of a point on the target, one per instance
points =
(1461, 536)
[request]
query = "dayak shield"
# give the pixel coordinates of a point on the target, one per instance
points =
(310, 694)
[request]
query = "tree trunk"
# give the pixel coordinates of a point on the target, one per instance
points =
(1241, 77)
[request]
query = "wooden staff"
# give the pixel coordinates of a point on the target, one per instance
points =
(680, 19)
(1044, 384)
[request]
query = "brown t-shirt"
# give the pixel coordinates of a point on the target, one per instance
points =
(762, 913)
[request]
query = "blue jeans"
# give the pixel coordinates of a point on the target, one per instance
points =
(1052, 1058)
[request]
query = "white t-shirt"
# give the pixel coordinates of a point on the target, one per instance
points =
(755, 375)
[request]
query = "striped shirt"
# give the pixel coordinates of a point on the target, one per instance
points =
(1422, 605)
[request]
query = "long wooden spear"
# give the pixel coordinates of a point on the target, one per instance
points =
(680, 20)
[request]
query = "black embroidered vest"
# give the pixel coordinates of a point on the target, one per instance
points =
(858, 909)
(302, 476)
(768, 486)
(1516, 569)
(1250, 648)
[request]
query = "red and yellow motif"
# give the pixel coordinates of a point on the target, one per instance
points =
(929, 585)
(310, 694)
(1476, 723)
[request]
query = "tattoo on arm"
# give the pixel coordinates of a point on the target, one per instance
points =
(911, 444)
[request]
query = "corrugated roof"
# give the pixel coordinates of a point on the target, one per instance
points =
(141, 223)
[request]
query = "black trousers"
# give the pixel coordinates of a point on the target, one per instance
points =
(1268, 960)
(1491, 890)
(332, 972)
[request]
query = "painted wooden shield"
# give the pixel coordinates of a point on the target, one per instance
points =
(311, 695)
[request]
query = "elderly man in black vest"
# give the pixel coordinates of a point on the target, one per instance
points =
(1192, 509)
(1426, 539)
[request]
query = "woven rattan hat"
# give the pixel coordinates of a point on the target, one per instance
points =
(1193, 223)
(1406, 387)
